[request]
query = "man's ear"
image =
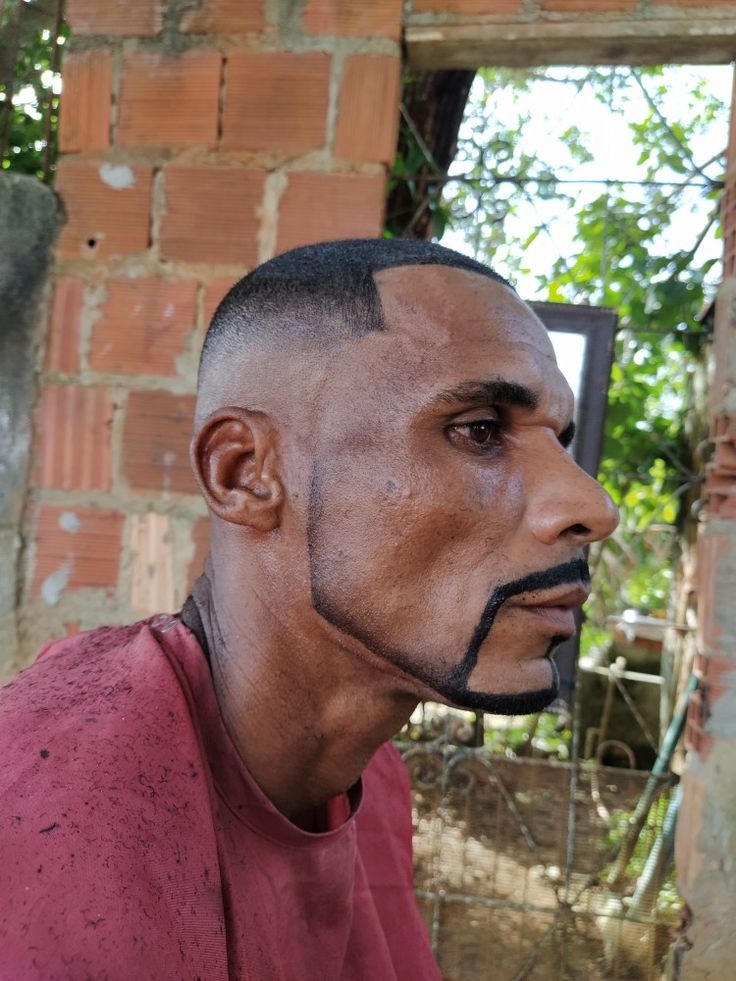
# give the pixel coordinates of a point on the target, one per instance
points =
(234, 458)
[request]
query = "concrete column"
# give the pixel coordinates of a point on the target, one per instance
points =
(706, 834)
(28, 222)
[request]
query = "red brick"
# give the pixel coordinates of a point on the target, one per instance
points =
(128, 18)
(315, 207)
(223, 17)
(726, 4)
(275, 100)
(151, 567)
(214, 292)
(84, 123)
(469, 7)
(74, 438)
(354, 18)
(79, 547)
(169, 99)
(368, 115)
(107, 208)
(592, 6)
(158, 427)
(211, 214)
(62, 344)
(724, 461)
(201, 538)
(718, 675)
(144, 326)
(724, 427)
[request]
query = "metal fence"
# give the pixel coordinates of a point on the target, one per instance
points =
(512, 865)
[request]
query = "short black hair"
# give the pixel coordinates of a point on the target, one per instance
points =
(326, 291)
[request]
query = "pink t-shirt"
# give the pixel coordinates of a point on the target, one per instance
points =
(135, 845)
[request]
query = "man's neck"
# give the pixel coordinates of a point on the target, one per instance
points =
(305, 716)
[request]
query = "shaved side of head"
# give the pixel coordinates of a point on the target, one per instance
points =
(317, 296)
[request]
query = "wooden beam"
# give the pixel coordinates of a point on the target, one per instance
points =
(585, 41)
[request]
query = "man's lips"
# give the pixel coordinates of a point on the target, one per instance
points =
(556, 607)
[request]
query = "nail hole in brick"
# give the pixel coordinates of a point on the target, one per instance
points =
(91, 243)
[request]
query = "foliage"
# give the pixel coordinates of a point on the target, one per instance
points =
(537, 735)
(27, 48)
(513, 207)
(668, 900)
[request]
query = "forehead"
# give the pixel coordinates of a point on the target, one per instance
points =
(444, 327)
(442, 306)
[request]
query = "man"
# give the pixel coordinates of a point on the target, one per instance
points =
(380, 439)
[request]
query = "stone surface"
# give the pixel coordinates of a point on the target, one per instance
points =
(591, 6)
(65, 321)
(73, 438)
(210, 214)
(379, 18)
(482, 7)
(368, 113)
(316, 206)
(155, 455)
(223, 17)
(29, 216)
(169, 99)
(126, 18)
(275, 100)
(144, 325)
(77, 547)
(84, 124)
(108, 208)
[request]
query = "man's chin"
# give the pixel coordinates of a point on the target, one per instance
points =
(507, 703)
(455, 689)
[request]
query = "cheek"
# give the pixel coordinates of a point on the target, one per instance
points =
(444, 527)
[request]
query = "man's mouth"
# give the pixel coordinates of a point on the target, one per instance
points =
(553, 608)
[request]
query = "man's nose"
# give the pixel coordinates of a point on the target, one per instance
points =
(566, 503)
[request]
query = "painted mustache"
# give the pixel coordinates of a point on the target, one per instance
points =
(573, 573)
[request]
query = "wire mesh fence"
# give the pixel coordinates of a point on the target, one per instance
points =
(511, 876)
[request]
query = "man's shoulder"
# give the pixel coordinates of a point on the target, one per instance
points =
(91, 674)
(83, 703)
(105, 813)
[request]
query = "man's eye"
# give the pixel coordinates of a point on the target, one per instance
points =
(479, 435)
(483, 432)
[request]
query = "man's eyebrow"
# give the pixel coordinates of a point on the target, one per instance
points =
(498, 391)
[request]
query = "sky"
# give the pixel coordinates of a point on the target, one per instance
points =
(550, 108)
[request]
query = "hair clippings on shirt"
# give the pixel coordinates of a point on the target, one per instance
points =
(164, 623)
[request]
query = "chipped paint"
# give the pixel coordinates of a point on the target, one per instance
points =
(118, 176)
(68, 521)
(54, 584)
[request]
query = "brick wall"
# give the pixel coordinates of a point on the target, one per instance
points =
(196, 142)
(706, 835)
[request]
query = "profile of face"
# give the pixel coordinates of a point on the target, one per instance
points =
(446, 521)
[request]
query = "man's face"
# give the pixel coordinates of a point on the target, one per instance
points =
(446, 521)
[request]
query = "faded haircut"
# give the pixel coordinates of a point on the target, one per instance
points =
(321, 293)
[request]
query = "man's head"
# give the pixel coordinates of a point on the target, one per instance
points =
(381, 432)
